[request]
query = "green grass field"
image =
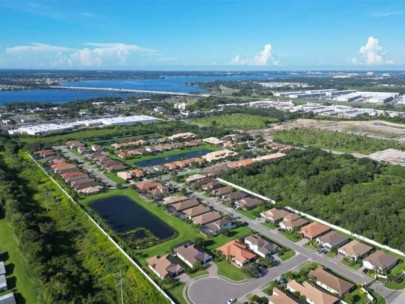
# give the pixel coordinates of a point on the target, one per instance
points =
(236, 121)
(231, 272)
(19, 277)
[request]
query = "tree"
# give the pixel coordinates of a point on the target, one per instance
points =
(251, 270)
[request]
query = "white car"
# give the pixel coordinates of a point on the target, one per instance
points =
(230, 301)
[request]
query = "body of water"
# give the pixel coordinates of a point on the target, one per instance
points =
(123, 214)
(171, 158)
(167, 83)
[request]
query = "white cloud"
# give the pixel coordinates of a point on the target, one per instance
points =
(36, 47)
(372, 53)
(93, 55)
(388, 14)
(265, 57)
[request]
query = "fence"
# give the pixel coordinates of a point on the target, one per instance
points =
(355, 235)
(106, 234)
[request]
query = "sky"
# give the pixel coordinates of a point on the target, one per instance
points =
(203, 34)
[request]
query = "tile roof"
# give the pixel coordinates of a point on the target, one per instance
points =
(238, 251)
(330, 280)
(356, 249)
(314, 229)
(311, 292)
(380, 259)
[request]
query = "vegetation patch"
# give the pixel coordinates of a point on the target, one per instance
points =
(236, 121)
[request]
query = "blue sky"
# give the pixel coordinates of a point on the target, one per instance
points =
(210, 34)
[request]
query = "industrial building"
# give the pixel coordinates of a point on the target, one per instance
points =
(45, 129)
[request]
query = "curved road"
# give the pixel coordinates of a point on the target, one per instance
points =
(221, 290)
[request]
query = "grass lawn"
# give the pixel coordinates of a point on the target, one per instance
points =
(287, 255)
(358, 297)
(331, 254)
(252, 214)
(230, 271)
(114, 177)
(355, 266)
(269, 288)
(198, 273)
(176, 292)
(74, 152)
(269, 225)
(219, 240)
(290, 236)
(19, 277)
(311, 246)
(396, 271)
(236, 121)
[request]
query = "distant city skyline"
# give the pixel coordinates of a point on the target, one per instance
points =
(203, 35)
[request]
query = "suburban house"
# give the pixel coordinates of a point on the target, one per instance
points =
(260, 246)
(238, 253)
(380, 261)
(74, 144)
(248, 203)
(332, 240)
(274, 215)
(216, 170)
(190, 254)
(234, 196)
(125, 175)
(312, 294)
(165, 266)
(213, 140)
(8, 298)
(282, 297)
(314, 230)
(217, 226)
(292, 221)
(190, 203)
(3, 283)
(330, 282)
(355, 250)
(219, 155)
(96, 148)
(211, 185)
(194, 178)
(240, 163)
(147, 186)
(181, 136)
(222, 191)
(137, 173)
(173, 199)
(206, 218)
(195, 211)
(90, 190)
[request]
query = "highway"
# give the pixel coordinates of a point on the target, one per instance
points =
(115, 90)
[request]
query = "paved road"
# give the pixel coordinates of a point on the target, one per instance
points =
(86, 166)
(221, 290)
(356, 276)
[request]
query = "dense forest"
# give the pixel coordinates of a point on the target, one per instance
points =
(361, 195)
(335, 141)
(69, 259)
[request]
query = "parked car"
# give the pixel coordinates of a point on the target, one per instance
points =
(230, 301)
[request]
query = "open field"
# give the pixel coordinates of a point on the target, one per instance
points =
(18, 273)
(236, 121)
(372, 128)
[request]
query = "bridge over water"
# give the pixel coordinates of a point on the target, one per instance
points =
(149, 92)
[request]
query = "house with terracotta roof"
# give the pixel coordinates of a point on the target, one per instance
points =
(195, 211)
(260, 246)
(248, 203)
(122, 154)
(191, 254)
(148, 186)
(274, 215)
(206, 218)
(332, 240)
(137, 173)
(282, 297)
(165, 266)
(237, 252)
(313, 230)
(240, 163)
(312, 294)
(74, 144)
(380, 261)
(292, 221)
(355, 250)
(330, 282)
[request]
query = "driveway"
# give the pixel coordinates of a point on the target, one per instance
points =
(221, 290)
(86, 166)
